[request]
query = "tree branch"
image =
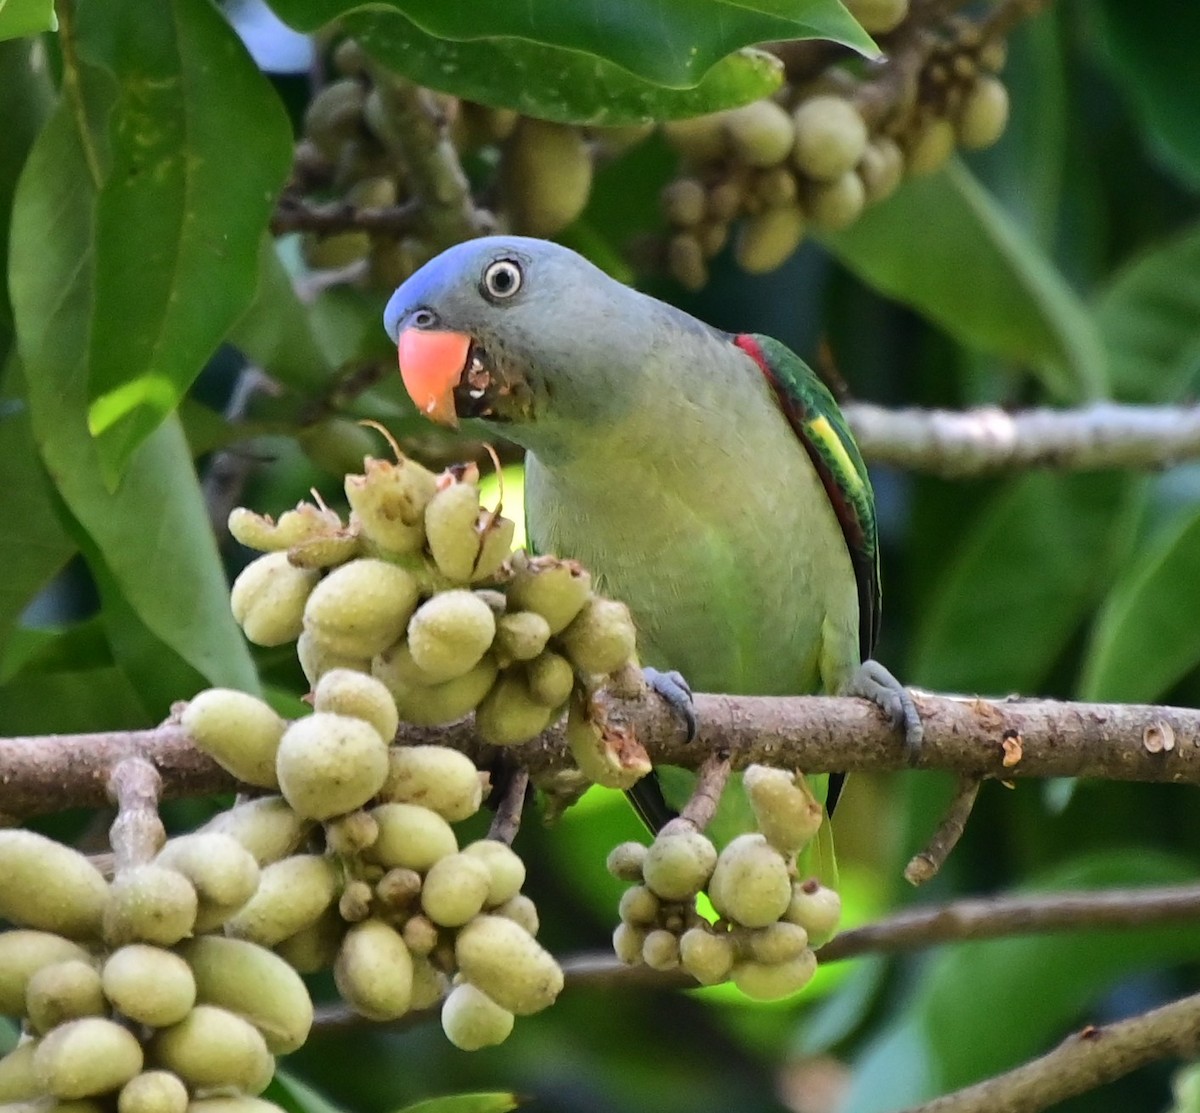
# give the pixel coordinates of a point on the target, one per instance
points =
(954, 445)
(818, 734)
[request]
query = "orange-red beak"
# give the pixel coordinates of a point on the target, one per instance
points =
(431, 364)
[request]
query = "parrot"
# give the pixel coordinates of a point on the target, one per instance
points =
(706, 479)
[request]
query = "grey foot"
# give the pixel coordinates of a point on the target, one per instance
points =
(677, 692)
(872, 681)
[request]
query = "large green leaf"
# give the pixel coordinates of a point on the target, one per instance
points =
(26, 17)
(466, 1103)
(152, 535)
(1151, 49)
(1021, 584)
(943, 246)
(198, 146)
(555, 84)
(672, 43)
(1147, 636)
(1147, 317)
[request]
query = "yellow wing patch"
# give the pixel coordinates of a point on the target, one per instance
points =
(819, 429)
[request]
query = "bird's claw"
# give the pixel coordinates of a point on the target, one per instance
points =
(874, 682)
(677, 692)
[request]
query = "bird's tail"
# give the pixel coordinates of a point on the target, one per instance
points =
(646, 798)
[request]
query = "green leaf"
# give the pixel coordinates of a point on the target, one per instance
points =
(152, 535)
(555, 84)
(943, 246)
(466, 1103)
(1151, 49)
(1028, 573)
(198, 146)
(1147, 317)
(1147, 635)
(70, 703)
(26, 17)
(33, 544)
(672, 43)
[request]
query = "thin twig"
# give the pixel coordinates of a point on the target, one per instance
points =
(137, 833)
(925, 864)
(507, 820)
(698, 812)
(976, 442)
(1083, 1061)
(294, 214)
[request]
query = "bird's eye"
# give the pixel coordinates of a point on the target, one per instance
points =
(502, 279)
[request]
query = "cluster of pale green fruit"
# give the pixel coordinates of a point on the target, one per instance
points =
(769, 919)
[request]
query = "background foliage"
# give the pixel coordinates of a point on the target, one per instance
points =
(141, 155)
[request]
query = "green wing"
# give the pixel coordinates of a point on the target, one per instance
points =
(821, 427)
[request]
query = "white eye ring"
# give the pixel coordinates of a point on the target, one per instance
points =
(502, 279)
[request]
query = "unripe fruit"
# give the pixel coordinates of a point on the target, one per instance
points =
(784, 807)
(450, 520)
(509, 715)
(49, 886)
(85, 1057)
(18, 1079)
(614, 760)
(685, 260)
(223, 873)
(760, 134)
(677, 866)
(455, 889)
(545, 177)
(700, 139)
(506, 871)
(349, 835)
(555, 589)
(256, 985)
(213, 1048)
(268, 599)
(766, 982)
(520, 636)
(292, 893)
(240, 731)
(374, 971)
(259, 531)
(266, 826)
(389, 501)
(149, 985)
(881, 169)
(508, 964)
(334, 115)
(660, 951)
(361, 608)
(421, 935)
(769, 238)
(750, 883)
(707, 956)
(495, 546)
(334, 251)
(776, 187)
(984, 114)
(815, 908)
(316, 659)
(778, 942)
(930, 148)
(878, 16)
(628, 942)
(315, 947)
(63, 991)
(835, 205)
(626, 860)
(550, 678)
(521, 910)
(471, 1019)
(436, 777)
(410, 836)
(601, 638)
(347, 692)
(234, 1104)
(355, 902)
(329, 764)
(23, 954)
(639, 905)
(438, 703)
(830, 137)
(449, 634)
(429, 984)
(683, 202)
(153, 1091)
(151, 904)
(399, 888)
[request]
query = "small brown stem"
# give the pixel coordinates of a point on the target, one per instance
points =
(711, 779)
(137, 833)
(926, 864)
(294, 214)
(507, 820)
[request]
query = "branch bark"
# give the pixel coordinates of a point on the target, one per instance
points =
(976, 442)
(817, 734)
